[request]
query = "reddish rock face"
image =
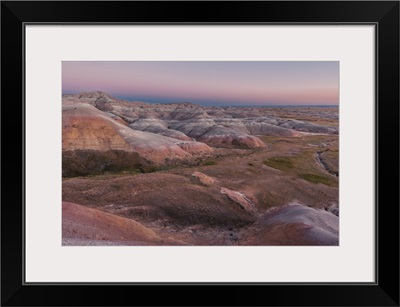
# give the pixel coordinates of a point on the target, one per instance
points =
(195, 148)
(238, 140)
(203, 178)
(85, 223)
(86, 226)
(239, 198)
(85, 127)
(297, 224)
(169, 132)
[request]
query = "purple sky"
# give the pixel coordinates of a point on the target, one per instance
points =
(208, 83)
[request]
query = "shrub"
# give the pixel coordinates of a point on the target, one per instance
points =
(281, 163)
(316, 178)
(209, 162)
(93, 162)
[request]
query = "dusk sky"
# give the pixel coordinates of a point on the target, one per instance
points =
(220, 83)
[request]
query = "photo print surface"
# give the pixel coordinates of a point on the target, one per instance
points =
(200, 153)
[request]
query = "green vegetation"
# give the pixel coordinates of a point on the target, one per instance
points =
(281, 163)
(150, 169)
(301, 166)
(209, 162)
(92, 163)
(316, 179)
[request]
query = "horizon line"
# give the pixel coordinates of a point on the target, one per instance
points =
(207, 104)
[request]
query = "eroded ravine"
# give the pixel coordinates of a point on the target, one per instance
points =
(323, 165)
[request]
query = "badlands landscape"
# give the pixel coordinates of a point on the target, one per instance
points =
(137, 173)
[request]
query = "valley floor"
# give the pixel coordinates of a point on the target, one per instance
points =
(283, 194)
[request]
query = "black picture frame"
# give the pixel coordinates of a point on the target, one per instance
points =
(383, 14)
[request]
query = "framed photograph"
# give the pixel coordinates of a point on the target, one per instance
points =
(205, 147)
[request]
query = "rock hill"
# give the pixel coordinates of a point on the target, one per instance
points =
(168, 133)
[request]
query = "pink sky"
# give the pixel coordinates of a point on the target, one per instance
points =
(208, 83)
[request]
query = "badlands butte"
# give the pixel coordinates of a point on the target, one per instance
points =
(136, 173)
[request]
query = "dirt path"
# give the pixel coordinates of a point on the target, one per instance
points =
(322, 165)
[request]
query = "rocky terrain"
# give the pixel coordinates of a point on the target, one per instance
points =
(183, 174)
